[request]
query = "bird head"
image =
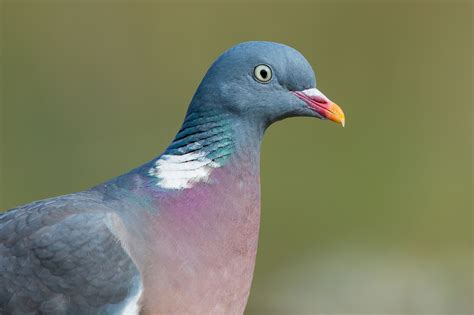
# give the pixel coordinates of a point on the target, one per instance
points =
(263, 82)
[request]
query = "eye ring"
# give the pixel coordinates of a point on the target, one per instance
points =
(263, 73)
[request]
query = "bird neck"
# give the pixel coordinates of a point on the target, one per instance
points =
(207, 141)
(201, 206)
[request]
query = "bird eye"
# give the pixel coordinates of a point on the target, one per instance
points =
(262, 73)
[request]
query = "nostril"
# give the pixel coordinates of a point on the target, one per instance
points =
(319, 100)
(313, 97)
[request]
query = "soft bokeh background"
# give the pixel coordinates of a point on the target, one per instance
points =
(374, 218)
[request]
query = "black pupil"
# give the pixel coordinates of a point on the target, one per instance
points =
(263, 73)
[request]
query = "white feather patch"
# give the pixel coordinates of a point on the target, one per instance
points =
(181, 171)
(132, 307)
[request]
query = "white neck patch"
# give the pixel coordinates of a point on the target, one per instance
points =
(182, 171)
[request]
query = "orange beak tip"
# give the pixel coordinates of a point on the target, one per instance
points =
(337, 115)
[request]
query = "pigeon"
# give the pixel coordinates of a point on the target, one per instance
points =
(178, 234)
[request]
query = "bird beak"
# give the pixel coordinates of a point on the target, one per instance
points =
(319, 103)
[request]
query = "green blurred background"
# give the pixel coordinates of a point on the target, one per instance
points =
(374, 218)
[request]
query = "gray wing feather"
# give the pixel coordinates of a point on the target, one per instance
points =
(58, 256)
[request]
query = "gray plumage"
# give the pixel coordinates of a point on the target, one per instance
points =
(58, 256)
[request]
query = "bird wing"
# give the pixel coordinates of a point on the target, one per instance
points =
(58, 256)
